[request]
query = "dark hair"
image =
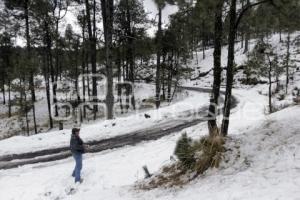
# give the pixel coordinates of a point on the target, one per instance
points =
(75, 130)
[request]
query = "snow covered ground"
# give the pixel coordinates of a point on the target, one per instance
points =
(263, 156)
(264, 164)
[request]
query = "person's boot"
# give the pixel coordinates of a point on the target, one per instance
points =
(79, 182)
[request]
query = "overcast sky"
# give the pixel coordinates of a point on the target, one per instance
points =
(149, 6)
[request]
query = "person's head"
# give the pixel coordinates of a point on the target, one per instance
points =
(75, 131)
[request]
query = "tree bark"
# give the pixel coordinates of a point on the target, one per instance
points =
(9, 98)
(47, 69)
(270, 84)
(287, 62)
(83, 66)
(130, 49)
(107, 15)
(247, 35)
(3, 90)
(92, 52)
(170, 67)
(214, 100)
(163, 77)
(230, 70)
(158, 67)
(31, 76)
(247, 38)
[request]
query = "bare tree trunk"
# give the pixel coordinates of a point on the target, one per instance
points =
(280, 32)
(55, 77)
(242, 39)
(247, 38)
(92, 52)
(3, 90)
(270, 84)
(247, 35)
(76, 70)
(107, 15)
(9, 99)
(31, 80)
(119, 77)
(26, 113)
(214, 100)
(83, 65)
(31, 76)
(287, 62)
(230, 66)
(130, 51)
(163, 68)
(158, 67)
(47, 82)
(170, 67)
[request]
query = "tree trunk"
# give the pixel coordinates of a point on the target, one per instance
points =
(49, 66)
(83, 65)
(92, 52)
(287, 62)
(170, 69)
(107, 15)
(26, 113)
(158, 67)
(55, 76)
(270, 84)
(119, 77)
(163, 77)
(247, 38)
(242, 39)
(9, 99)
(230, 66)
(77, 71)
(47, 82)
(214, 100)
(31, 76)
(3, 90)
(247, 34)
(130, 49)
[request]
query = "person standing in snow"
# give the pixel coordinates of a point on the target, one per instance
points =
(77, 149)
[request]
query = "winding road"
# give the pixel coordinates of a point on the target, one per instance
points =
(161, 130)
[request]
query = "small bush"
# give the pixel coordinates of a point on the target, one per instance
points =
(200, 155)
(184, 151)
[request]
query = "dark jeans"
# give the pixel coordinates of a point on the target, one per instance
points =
(78, 166)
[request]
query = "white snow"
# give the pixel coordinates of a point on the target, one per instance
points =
(267, 168)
